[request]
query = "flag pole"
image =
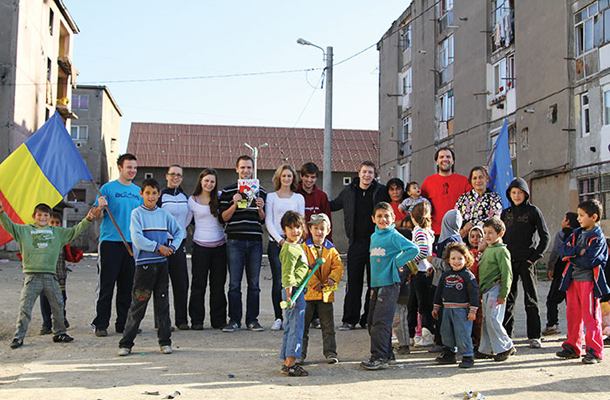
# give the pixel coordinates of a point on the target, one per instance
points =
(114, 222)
(493, 150)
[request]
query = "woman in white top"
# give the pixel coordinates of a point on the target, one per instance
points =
(283, 199)
(209, 253)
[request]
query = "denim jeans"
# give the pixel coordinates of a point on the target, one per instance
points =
(400, 325)
(244, 254)
(381, 315)
(494, 339)
(294, 325)
(273, 253)
(456, 331)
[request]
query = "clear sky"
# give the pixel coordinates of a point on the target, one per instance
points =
(154, 41)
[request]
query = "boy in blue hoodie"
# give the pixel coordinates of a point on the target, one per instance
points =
(150, 226)
(389, 252)
(523, 220)
(583, 278)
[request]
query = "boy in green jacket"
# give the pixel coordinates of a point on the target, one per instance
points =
(40, 245)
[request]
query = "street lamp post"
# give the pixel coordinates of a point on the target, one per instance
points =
(255, 156)
(327, 183)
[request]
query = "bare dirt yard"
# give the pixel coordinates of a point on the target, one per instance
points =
(215, 365)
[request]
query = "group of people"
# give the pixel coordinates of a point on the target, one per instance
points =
(442, 262)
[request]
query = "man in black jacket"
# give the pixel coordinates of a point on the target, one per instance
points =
(357, 201)
(523, 220)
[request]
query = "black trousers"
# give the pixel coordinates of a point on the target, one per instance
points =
(420, 300)
(150, 280)
(358, 263)
(526, 272)
(179, 277)
(115, 266)
(209, 262)
(555, 296)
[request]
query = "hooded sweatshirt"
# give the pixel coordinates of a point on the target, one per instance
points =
(389, 251)
(522, 222)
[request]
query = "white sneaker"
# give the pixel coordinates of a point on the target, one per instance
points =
(277, 325)
(414, 341)
(167, 349)
(427, 338)
(535, 343)
(124, 351)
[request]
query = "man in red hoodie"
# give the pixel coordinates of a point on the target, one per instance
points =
(316, 201)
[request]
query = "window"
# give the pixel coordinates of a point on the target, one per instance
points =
(446, 15)
(588, 189)
(592, 27)
(447, 106)
(80, 102)
(405, 39)
(49, 69)
(552, 113)
(607, 107)
(584, 114)
(148, 175)
(51, 18)
(77, 196)
(407, 129)
(504, 75)
(406, 82)
(404, 173)
(79, 132)
(445, 56)
(347, 180)
(512, 141)
(525, 138)
(114, 145)
(502, 23)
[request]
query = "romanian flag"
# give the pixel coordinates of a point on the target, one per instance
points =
(42, 170)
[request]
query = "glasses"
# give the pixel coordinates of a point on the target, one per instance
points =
(174, 175)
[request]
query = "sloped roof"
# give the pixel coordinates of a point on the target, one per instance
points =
(197, 146)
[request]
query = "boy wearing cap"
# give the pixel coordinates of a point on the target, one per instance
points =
(317, 298)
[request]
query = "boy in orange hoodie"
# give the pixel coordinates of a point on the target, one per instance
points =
(319, 296)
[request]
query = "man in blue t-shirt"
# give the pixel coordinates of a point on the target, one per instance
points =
(115, 264)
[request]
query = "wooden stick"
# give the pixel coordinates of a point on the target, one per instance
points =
(114, 222)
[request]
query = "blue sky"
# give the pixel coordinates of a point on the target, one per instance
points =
(155, 41)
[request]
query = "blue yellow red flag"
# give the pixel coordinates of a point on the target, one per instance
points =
(42, 170)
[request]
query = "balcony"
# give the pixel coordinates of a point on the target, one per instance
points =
(445, 21)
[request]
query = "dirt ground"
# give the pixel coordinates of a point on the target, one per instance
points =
(217, 365)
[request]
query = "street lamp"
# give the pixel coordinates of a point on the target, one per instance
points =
(255, 155)
(327, 183)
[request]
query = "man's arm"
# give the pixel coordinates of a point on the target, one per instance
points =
(545, 237)
(337, 203)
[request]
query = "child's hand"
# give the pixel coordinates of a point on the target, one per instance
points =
(482, 245)
(165, 251)
(329, 282)
(472, 315)
(260, 203)
(501, 300)
(430, 258)
(102, 202)
(435, 314)
(549, 275)
(318, 287)
(583, 251)
(430, 271)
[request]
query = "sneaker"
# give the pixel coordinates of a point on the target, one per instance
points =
(62, 338)
(417, 341)
(435, 349)
(277, 325)
(232, 326)
(551, 330)
(124, 351)
(403, 350)
(16, 343)
(167, 349)
(295, 370)
(255, 327)
(374, 364)
(427, 339)
(591, 358)
(448, 357)
(347, 327)
(184, 327)
(504, 355)
(101, 332)
(392, 359)
(535, 343)
(482, 356)
(467, 362)
(45, 330)
(330, 359)
(195, 327)
(316, 324)
(299, 361)
(567, 352)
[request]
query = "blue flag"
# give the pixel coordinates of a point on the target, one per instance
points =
(501, 171)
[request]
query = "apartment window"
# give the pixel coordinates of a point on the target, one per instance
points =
(607, 107)
(406, 37)
(525, 138)
(445, 60)
(80, 102)
(588, 189)
(446, 15)
(114, 145)
(589, 27)
(407, 129)
(79, 132)
(148, 175)
(504, 75)
(585, 116)
(77, 196)
(552, 114)
(502, 23)
(406, 82)
(447, 106)
(51, 20)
